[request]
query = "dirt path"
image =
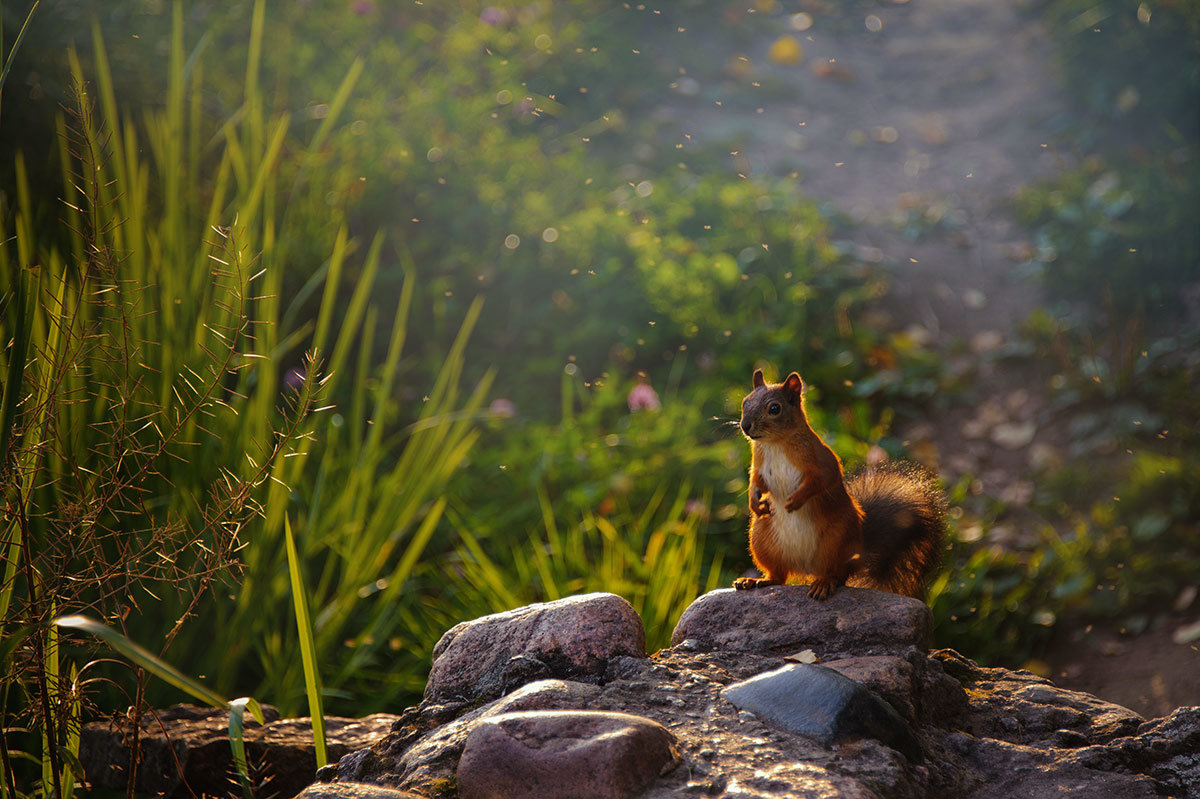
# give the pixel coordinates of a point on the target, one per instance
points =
(919, 122)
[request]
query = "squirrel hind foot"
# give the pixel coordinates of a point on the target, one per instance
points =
(824, 587)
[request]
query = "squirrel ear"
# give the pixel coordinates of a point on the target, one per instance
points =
(793, 385)
(758, 378)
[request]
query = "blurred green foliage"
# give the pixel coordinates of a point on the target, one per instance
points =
(526, 156)
(595, 245)
(1122, 232)
(1123, 221)
(1132, 66)
(1120, 561)
(1116, 242)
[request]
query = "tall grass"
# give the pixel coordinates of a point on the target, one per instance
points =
(653, 556)
(189, 456)
(155, 442)
(653, 546)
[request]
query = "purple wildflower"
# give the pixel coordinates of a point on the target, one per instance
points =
(644, 398)
(493, 15)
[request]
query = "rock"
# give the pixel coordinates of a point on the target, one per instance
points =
(541, 754)
(425, 751)
(353, 790)
(1167, 749)
(783, 619)
(888, 676)
(571, 638)
(185, 751)
(1012, 771)
(545, 695)
(1021, 707)
(877, 703)
(823, 704)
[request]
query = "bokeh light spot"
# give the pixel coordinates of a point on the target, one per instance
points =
(801, 21)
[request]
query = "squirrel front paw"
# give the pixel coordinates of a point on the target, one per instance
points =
(747, 583)
(794, 504)
(759, 506)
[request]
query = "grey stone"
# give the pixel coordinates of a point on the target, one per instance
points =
(783, 619)
(983, 733)
(417, 755)
(992, 741)
(823, 704)
(572, 638)
(563, 755)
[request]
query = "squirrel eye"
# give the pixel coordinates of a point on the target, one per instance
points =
(774, 409)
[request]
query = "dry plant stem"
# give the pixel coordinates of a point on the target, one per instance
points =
(39, 653)
(87, 476)
(9, 778)
(135, 750)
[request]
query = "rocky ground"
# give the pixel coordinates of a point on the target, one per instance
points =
(762, 693)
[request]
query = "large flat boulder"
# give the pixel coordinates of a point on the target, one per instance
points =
(783, 619)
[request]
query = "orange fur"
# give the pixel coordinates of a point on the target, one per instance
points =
(806, 524)
(836, 516)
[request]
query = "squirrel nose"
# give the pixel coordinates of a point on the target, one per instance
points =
(746, 427)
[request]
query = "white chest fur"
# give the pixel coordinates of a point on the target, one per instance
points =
(781, 475)
(796, 532)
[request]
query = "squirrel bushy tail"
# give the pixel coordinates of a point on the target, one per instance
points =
(904, 527)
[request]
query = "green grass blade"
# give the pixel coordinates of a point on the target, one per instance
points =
(335, 107)
(22, 310)
(12, 54)
(237, 739)
(50, 780)
(248, 213)
(312, 677)
(69, 754)
(329, 296)
(159, 668)
(355, 311)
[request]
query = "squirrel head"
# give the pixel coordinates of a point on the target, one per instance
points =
(773, 410)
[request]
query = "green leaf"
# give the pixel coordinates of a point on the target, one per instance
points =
(10, 641)
(12, 54)
(21, 304)
(237, 742)
(1151, 526)
(312, 678)
(141, 657)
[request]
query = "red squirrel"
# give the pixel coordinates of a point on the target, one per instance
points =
(883, 528)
